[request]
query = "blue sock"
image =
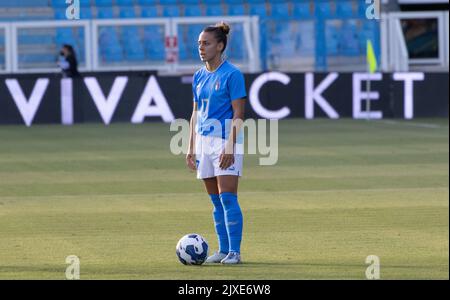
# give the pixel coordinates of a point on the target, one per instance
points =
(233, 220)
(219, 223)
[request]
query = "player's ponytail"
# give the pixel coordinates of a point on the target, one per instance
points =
(221, 31)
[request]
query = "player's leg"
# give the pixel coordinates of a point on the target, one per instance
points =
(211, 186)
(228, 186)
(205, 171)
(219, 221)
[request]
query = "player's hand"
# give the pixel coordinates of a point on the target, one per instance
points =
(190, 161)
(226, 159)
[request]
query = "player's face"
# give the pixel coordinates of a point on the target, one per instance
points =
(208, 48)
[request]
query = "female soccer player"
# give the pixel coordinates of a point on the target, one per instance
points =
(215, 147)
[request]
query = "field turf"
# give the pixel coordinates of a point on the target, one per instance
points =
(117, 198)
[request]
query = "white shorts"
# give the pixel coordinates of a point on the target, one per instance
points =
(207, 153)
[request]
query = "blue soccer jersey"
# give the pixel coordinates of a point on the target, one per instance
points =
(214, 92)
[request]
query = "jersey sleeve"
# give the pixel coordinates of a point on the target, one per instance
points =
(236, 86)
(194, 84)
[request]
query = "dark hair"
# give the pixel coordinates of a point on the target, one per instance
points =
(220, 31)
(70, 48)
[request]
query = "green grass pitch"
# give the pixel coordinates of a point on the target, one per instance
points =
(118, 199)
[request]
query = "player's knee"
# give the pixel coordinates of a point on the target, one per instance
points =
(228, 186)
(228, 190)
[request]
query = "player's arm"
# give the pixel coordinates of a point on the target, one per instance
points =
(238, 118)
(227, 158)
(190, 156)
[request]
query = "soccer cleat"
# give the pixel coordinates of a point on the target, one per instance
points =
(231, 259)
(216, 257)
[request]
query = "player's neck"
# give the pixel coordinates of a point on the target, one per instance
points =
(213, 64)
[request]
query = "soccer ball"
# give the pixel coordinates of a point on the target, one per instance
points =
(192, 249)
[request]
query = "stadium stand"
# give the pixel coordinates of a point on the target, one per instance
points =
(292, 31)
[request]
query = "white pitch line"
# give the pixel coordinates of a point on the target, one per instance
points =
(413, 124)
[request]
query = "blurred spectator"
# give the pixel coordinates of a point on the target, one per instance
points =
(68, 62)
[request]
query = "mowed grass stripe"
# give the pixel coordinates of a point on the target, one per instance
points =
(159, 186)
(252, 172)
(367, 198)
(301, 148)
(284, 159)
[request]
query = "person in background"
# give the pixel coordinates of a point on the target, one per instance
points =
(68, 62)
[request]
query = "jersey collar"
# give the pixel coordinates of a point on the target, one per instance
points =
(211, 72)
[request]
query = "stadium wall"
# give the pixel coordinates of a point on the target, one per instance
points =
(138, 97)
